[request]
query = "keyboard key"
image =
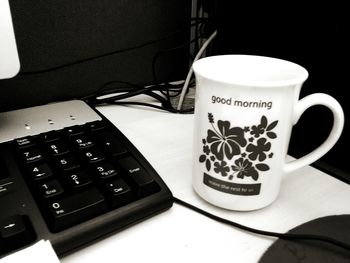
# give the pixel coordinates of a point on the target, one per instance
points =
(118, 192)
(111, 144)
(82, 141)
(51, 136)
(79, 207)
(50, 188)
(94, 156)
(32, 155)
(40, 171)
(24, 142)
(144, 182)
(68, 162)
(15, 232)
(104, 171)
(57, 148)
(77, 179)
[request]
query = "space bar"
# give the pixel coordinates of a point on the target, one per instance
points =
(76, 208)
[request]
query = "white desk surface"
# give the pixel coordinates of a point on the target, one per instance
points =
(181, 235)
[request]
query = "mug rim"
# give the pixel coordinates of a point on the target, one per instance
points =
(252, 70)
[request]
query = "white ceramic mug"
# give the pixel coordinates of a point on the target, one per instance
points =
(245, 108)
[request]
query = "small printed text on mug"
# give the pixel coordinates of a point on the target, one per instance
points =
(239, 103)
(230, 187)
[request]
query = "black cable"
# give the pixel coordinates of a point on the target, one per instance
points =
(286, 236)
(175, 91)
(104, 89)
(132, 93)
(172, 110)
(134, 90)
(166, 105)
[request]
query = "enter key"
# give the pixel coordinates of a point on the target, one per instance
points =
(143, 182)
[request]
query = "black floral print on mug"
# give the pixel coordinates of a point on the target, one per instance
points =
(246, 148)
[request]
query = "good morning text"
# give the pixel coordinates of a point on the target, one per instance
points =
(240, 103)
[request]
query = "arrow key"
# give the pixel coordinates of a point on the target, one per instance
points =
(15, 232)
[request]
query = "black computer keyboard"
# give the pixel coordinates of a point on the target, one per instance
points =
(70, 176)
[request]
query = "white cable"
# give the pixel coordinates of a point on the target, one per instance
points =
(189, 75)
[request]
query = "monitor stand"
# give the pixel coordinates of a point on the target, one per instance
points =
(9, 61)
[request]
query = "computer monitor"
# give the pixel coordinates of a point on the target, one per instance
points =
(9, 61)
(71, 49)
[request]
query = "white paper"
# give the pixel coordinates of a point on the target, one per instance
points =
(41, 251)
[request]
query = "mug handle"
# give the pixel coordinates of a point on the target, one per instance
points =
(338, 124)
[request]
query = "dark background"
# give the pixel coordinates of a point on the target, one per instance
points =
(70, 48)
(314, 36)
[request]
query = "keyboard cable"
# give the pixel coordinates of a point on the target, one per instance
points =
(285, 236)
